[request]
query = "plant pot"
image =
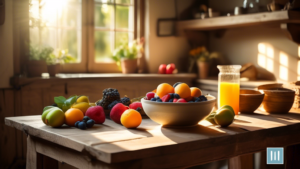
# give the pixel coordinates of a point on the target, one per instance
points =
(203, 69)
(129, 65)
(35, 68)
(53, 69)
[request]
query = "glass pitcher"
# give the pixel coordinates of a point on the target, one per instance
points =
(229, 86)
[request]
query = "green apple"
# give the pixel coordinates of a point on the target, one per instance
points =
(46, 111)
(224, 117)
(227, 107)
(211, 117)
(55, 117)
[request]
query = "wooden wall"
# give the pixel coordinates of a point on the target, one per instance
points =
(31, 96)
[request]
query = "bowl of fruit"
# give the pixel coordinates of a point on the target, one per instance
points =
(177, 105)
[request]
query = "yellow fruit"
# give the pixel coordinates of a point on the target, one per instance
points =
(82, 99)
(72, 116)
(131, 118)
(92, 104)
(83, 106)
(183, 90)
(164, 89)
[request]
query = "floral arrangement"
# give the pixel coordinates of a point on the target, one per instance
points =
(201, 54)
(60, 56)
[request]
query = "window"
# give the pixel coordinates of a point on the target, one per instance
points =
(89, 29)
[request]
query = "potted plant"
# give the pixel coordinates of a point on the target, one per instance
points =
(36, 64)
(202, 57)
(54, 60)
(126, 56)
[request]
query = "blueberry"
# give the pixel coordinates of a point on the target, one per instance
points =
(158, 100)
(82, 125)
(176, 96)
(202, 98)
(76, 124)
(139, 109)
(197, 100)
(171, 100)
(90, 123)
(172, 95)
(191, 101)
(153, 99)
(177, 83)
(85, 119)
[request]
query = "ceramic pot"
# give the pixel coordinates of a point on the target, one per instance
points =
(35, 68)
(203, 69)
(129, 65)
(53, 69)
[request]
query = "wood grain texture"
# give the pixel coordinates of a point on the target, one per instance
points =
(158, 147)
(31, 158)
(240, 20)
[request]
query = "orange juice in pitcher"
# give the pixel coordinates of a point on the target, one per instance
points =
(229, 86)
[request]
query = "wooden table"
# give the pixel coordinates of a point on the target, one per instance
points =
(150, 146)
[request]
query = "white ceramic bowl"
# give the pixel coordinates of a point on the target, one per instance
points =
(178, 114)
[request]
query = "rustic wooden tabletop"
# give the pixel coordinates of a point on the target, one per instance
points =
(151, 146)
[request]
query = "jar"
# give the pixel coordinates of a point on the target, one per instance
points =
(251, 6)
(229, 86)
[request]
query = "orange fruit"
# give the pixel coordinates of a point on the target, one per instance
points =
(72, 116)
(195, 92)
(183, 90)
(164, 89)
(131, 118)
(154, 91)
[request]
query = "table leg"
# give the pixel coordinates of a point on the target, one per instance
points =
(241, 162)
(31, 158)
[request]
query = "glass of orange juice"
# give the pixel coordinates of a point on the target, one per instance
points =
(229, 86)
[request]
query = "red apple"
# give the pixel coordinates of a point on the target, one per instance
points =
(170, 68)
(96, 113)
(162, 69)
(117, 111)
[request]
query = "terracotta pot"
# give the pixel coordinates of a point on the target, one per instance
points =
(35, 68)
(129, 65)
(203, 69)
(53, 69)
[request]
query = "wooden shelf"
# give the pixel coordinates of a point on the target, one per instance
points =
(225, 22)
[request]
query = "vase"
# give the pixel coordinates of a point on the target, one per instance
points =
(129, 65)
(35, 68)
(203, 69)
(53, 69)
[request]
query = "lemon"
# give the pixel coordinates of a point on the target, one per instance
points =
(83, 106)
(82, 99)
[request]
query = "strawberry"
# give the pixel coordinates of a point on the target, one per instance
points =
(175, 100)
(166, 98)
(181, 101)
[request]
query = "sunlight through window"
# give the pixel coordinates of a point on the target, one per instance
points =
(283, 59)
(261, 60)
(261, 48)
(270, 65)
(270, 52)
(283, 73)
(265, 56)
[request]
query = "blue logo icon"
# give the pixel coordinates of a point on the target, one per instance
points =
(275, 155)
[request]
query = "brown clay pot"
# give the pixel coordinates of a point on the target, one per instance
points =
(53, 69)
(129, 65)
(203, 69)
(35, 68)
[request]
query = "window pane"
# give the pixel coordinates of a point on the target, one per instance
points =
(124, 1)
(124, 17)
(123, 36)
(105, 1)
(71, 16)
(69, 40)
(104, 45)
(104, 16)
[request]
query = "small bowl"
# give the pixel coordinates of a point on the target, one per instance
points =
(250, 100)
(278, 100)
(178, 114)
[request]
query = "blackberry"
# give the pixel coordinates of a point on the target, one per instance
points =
(112, 104)
(158, 100)
(153, 99)
(109, 95)
(139, 109)
(176, 96)
(126, 101)
(171, 100)
(177, 83)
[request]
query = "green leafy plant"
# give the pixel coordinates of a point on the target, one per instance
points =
(60, 56)
(39, 53)
(126, 51)
(64, 103)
